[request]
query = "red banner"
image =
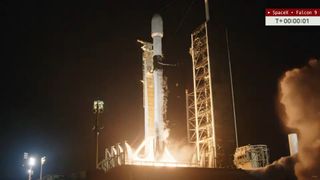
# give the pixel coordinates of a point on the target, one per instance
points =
(292, 12)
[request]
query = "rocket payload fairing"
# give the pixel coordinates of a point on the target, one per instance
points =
(157, 35)
(153, 92)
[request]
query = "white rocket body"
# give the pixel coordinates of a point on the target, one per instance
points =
(157, 34)
(154, 94)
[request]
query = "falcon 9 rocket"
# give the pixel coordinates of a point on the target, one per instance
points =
(153, 92)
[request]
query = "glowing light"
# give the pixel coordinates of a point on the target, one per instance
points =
(32, 161)
(43, 159)
(166, 160)
(98, 106)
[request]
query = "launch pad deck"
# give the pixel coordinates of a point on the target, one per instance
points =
(133, 172)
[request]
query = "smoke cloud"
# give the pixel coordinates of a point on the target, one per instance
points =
(279, 170)
(300, 100)
(181, 150)
(299, 104)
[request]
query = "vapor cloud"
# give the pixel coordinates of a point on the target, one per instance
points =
(300, 98)
(299, 104)
(281, 169)
(181, 150)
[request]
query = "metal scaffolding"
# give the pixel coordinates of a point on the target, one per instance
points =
(191, 115)
(201, 128)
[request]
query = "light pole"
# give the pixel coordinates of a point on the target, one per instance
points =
(30, 172)
(97, 109)
(31, 162)
(43, 160)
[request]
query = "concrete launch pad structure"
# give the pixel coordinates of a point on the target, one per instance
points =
(126, 172)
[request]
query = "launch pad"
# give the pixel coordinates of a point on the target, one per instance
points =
(211, 125)
(159, 173)
(153, 150)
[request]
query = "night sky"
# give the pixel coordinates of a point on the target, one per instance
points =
(59, 56)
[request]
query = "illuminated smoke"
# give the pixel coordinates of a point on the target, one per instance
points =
(181, 150)
(300, 98)
(278, 170)
(299, 101)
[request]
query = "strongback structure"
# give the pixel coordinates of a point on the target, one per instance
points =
(148, 94)
(210, 117)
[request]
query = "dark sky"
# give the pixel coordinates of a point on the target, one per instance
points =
(58, 56)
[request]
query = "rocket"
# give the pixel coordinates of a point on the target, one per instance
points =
(157, 34)
(153, 92)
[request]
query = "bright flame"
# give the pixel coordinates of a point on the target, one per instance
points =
(166, 160)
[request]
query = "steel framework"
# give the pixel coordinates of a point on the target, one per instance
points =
(201, 128)
(191, 115)
(251, 156)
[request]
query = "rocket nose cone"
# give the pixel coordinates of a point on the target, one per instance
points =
(156, 25)
(157, 18)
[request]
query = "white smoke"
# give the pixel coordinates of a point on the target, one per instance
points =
(300, 97)
(281, 169)
(181, 150)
